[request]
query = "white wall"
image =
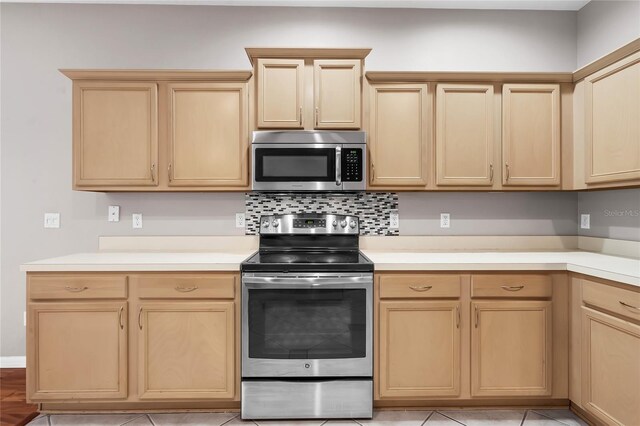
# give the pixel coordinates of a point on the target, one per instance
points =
(604, 26)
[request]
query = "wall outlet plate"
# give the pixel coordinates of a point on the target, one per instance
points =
(136, 218)
(585, 221)
(240, 220)
(52, 220)
(445, 220)
(114, 214)
(394, 220)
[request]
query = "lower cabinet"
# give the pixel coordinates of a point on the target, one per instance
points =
(511, 348)
(610, 368)
(186, 350)
(77, 351)
(419, 348)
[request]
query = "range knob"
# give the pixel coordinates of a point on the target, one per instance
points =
(352, 224)
(343, 223)
(335, 223)
(265, 224)
(275, 223)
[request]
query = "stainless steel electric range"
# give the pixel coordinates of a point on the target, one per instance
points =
(307, 320)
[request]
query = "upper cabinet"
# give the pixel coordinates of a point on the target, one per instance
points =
(398, 135)
(531, 134)
(208, 131)
(611, 122)
(308, 88)
(280, 93)
(115, 133)
(464, 135)
(160, 130)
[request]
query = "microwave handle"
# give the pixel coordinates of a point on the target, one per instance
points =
(338, 166)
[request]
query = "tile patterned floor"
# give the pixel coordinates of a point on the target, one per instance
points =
(551, 417)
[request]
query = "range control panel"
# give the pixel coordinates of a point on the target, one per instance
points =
(352, 164)
(309, 223)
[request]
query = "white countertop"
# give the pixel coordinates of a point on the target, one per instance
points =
(621, 269)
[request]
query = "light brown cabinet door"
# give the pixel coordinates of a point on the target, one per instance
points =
(398, 135)
(337, 93)
(464, 135)
(186, 350)
(511, 353)
(115, 133)
(77, 351)
(208, 134)
(531, 134)
(610, 368)
(280, 93)
(612, 127)
(419, 348)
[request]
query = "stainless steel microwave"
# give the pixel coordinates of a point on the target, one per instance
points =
(290, 161)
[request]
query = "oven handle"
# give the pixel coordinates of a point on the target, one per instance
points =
(304, 282)
(338, 166)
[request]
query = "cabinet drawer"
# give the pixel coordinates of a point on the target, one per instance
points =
(419, 286)
(617, 300)
(510, 285)
(77, 287)
(186, 286)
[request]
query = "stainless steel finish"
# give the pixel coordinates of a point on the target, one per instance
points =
(307, 399)
(76, 289)
(338, 166)
(512, 287)
(284, 224)
(352, 224)
(186, 289)
(308, 137)
(343, 367)
(626, 305)
(421, 288)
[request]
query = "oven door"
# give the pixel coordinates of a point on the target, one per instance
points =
(307, 325)
(296, 167)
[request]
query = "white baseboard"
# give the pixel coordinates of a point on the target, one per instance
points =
(13, 361)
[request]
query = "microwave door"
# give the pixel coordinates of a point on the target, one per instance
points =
(296, 167)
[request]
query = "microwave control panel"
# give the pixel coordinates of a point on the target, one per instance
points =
(352, 164)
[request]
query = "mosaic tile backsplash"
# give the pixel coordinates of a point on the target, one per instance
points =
(373, 208)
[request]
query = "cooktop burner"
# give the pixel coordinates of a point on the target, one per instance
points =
(308, 261)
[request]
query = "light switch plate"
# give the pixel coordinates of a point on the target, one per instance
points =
(239, 220)
(585, 221)
(114, 214)
(136, 218)
(445, 220)
(394, 220)
(52, 220)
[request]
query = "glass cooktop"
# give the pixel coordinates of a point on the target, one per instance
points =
(282, 261)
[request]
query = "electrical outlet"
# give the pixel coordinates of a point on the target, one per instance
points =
(394, 220)
(585, 221)
(52, 220)
(239, 220)
(114, 214)
(445, 220)
(137, 220)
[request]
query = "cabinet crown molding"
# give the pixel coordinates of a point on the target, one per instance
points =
(301, 53)
(470, 77)
(157, 75)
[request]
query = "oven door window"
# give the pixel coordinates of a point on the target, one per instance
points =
(295, 164)
(307, 324)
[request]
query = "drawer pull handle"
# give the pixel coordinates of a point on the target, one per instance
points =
(120, 317)
(76, 289)
(512, 287)
(626, 305)
(186, 289)
(421, 288)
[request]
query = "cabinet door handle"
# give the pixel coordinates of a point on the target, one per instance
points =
(300, 114)
(169, 172)
(421, 288)
(457, 316)
(512, 287)
(491, 172)
(76, 289)
(626, 305)
(507, 167)
(317, 113)
(373, 171)
(477, 316)
(120, 317)
(140, 318)
(186, 289)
